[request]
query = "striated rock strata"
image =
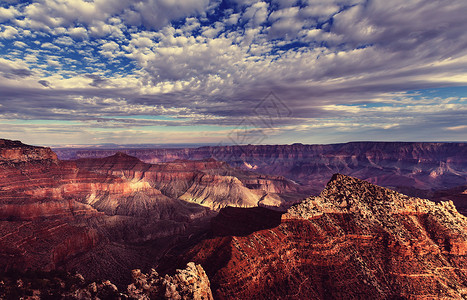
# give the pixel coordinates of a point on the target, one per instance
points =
(105, 216)
(355, 240)
(208, 182)
(55, 214)
(425, 166)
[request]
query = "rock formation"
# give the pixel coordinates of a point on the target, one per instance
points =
(187, 284)
(54, 214)
(208, 182)
(355, 240)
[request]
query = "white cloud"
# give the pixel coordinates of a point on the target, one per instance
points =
(8, 32)
(64, 40)
(79, 33)
(50, 46)
(20, 44)
(256, 14)
(8, 13)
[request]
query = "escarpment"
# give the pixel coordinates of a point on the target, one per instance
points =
(400, 165)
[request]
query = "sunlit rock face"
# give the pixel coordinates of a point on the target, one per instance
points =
(15, 151)
(190, 283)
(355, 240)
(208, 182)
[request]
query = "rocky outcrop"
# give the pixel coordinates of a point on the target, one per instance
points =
(355, 240)
(189, 283)
(15, 151)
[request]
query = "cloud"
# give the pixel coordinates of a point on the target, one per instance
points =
(8, 13)
(8, 32)
(64, 40)
(44, 83)
(79, 33)
(327, 61)
(20, 44)
(50, 46)
(14, 69)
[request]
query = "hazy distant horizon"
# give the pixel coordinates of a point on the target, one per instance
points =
(185, 145)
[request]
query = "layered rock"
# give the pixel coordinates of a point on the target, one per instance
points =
(15, 151)
(82, 215)
(423, 166)
(207, 182)
(354, 241)
(54, 214)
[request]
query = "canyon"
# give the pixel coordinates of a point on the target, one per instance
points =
(412, 167)
(226, 230)
(84, 214)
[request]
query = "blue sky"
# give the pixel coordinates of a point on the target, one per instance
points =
(239, 71)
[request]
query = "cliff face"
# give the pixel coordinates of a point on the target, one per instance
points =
(15, 151)
(355, 240)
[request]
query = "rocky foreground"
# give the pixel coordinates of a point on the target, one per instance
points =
(186, 284)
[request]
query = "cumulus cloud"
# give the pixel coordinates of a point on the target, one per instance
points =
(20, 44)
(8, 32)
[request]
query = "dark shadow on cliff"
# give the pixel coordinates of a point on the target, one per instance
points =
(235, 221)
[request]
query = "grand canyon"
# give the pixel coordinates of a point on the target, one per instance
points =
(235, 222)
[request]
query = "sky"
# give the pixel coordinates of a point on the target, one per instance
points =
(232, 72)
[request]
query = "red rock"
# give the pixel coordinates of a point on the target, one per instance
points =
(354, 241)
